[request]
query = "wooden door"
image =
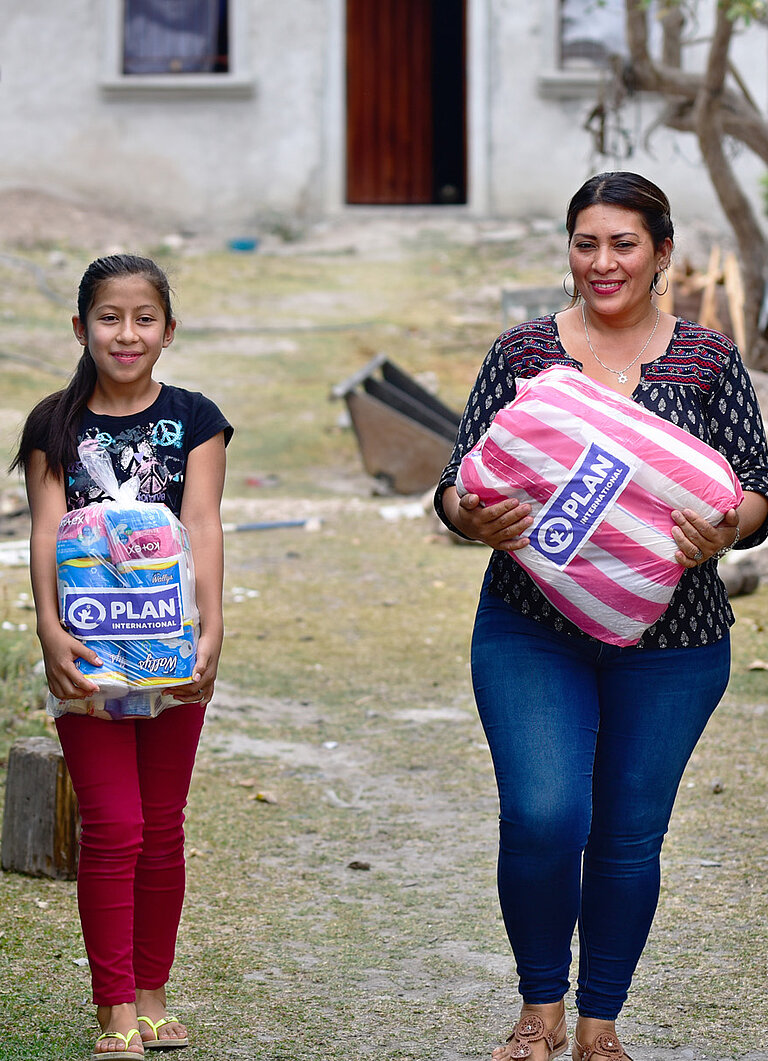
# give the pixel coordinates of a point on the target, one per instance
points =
(394, 113)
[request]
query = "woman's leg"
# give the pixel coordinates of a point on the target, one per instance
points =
(654, 707)
(101, 758)
(536, 693)
(166, 748)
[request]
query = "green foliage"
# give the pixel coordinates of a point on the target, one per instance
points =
(746, 10)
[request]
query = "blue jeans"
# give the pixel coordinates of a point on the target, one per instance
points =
(589, 742)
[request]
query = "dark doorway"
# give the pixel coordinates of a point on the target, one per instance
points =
(406, 140)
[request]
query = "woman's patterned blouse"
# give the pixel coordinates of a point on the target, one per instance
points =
(701, 385)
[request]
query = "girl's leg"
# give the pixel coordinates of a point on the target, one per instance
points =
(654, 707)
(166, 748)
(101, 758)
(537, 697)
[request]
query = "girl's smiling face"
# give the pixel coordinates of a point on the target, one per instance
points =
(125, 330)
(613, 259)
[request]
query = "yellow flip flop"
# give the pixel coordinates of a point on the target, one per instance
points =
(162, 1044)
(118, 1055)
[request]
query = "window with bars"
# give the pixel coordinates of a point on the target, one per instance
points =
(176, 37)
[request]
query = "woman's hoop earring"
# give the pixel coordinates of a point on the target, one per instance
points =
(570, 294)
(656, 280)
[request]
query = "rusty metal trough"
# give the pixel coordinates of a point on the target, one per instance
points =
(405, 434)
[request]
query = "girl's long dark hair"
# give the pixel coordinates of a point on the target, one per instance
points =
(53, 424)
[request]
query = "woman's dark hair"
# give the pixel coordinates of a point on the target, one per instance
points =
(631, 192)
(53, 424)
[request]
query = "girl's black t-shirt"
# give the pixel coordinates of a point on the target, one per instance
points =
(152, 444)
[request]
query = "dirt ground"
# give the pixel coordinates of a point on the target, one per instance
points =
(342, 821)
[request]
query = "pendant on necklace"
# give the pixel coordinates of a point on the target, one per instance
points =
(622, 377)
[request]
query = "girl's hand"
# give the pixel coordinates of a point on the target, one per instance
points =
(501, 526)
(697, 540)
(60, 650)
(200, 691)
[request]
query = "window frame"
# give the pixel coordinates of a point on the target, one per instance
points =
(237, 81)
(555, 81)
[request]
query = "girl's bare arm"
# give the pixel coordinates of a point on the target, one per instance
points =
(201, 515)
(47, 504)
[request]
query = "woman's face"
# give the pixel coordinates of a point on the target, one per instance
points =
(613, 259)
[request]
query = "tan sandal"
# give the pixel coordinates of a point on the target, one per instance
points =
(606, 1044)
(531, 1029)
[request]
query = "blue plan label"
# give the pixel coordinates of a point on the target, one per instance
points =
(123, 613)
(579, 505)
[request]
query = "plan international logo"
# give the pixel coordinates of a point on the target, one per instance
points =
(123, 613)
(578, 507)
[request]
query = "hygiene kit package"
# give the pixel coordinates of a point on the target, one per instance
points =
(126, 589)
(602, 476)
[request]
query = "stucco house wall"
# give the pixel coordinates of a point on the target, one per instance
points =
(191, 152)
(269, 139)
(538, 149)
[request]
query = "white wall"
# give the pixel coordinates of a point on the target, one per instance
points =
(273, 141)
(197, 156)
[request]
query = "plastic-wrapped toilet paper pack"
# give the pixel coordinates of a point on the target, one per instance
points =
(148, 577)
(152, 663)
(126, 588)
(148, 535)
(82, 533)
(79, 572)
(602, 475)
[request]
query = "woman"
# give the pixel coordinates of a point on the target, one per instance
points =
(588, 740)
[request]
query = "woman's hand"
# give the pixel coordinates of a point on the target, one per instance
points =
(501, 526)
(697, 540)
(60, 651)
(200, 691)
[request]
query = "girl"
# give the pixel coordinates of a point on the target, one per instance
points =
(131, 776)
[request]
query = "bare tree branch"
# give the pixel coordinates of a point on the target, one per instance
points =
(750, 131)
(717, 62)
(672, 22)
(737, 208)
(705, 104)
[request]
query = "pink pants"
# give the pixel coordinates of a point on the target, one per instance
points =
(131, 778)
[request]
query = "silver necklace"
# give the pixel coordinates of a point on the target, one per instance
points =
(620, 372)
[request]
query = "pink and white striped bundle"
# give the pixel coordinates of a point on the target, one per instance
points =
(602, 475)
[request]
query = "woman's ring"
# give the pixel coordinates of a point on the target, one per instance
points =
(699, 556)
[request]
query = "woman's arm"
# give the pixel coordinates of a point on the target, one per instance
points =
(201, 515)
(47, 505)
(736, 429)
(694, 533)
(501, 526)
(494, 388)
